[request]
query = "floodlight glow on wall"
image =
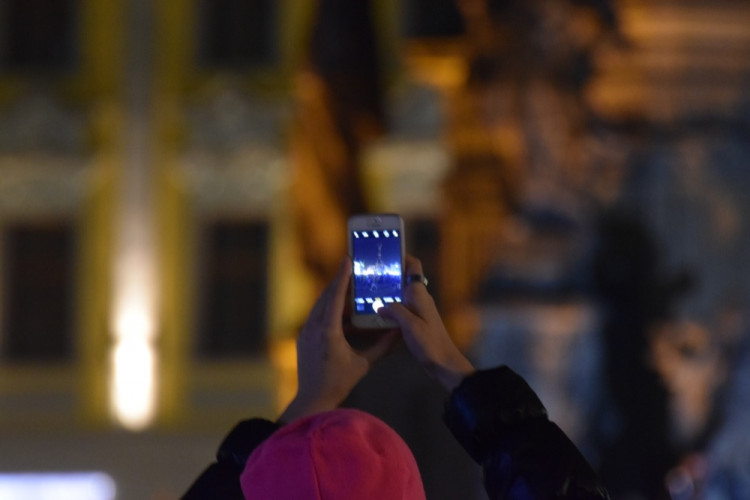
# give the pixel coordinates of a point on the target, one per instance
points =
(133, 360)
(133, 385)
(134, 322)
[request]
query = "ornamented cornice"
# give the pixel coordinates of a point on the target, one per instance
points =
(40, 122)
(42, 185)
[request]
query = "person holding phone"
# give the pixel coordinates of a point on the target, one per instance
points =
(318, 451)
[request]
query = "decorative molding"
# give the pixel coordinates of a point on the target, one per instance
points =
(40, 122)
(42, 185)
(234, 159)
(242, 182)
(410, 174)
(225, 118)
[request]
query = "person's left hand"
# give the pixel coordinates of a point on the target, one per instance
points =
(328, 368)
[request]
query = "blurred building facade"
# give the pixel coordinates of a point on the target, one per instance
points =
(175, 177)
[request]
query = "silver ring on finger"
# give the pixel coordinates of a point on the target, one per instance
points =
(417, 278)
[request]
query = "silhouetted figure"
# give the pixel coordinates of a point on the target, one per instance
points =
(634, 298)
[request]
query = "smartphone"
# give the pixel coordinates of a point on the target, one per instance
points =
(376, 246)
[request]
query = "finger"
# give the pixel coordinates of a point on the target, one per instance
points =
(321, 310)
(348, 303)
(400, 314)
(318, 312)
(418, 299)
(413, 265)
(335, 308)
(414, 294)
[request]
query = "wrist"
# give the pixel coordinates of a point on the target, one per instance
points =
(452, 369)
(302, 406)
(451, 377)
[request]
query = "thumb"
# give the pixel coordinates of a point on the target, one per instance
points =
(398, 313)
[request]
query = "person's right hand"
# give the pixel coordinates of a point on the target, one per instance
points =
(327, 365)
(424, 333)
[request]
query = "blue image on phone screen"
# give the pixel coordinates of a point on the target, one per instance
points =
(377, 269)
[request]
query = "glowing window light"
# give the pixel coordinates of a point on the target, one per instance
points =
(57, 486)
(133, 384)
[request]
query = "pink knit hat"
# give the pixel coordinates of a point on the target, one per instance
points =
(337, 455)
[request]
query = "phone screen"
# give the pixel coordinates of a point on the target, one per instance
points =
(376, 255)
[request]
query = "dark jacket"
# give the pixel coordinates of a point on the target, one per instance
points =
(501, 423)
(495, 416)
